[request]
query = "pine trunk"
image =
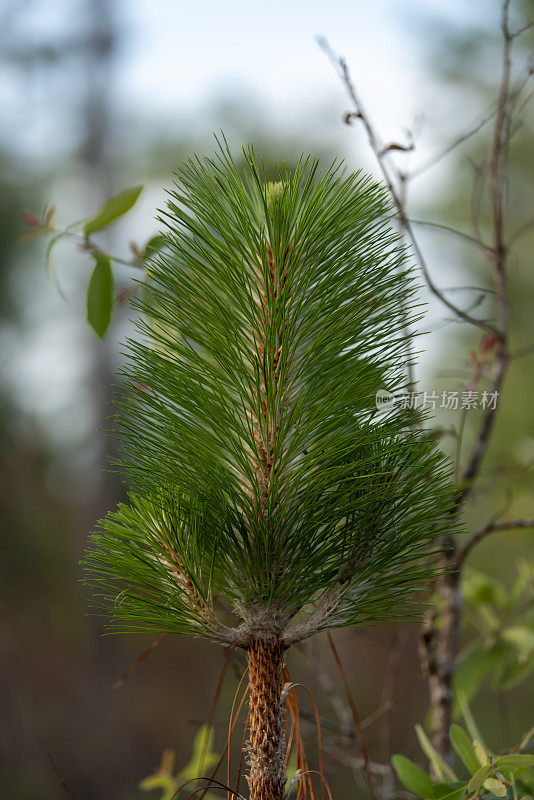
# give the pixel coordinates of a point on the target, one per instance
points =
(266, 745)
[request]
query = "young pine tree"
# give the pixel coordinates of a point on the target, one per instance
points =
(270, 499)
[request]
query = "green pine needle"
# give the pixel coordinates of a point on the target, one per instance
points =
(266, 488)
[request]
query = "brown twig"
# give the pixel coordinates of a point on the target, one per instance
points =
(214, 705)
(463, 137)
(491, 527)
(497, 182)
(439, 642)
(392, 177)
(439, 639)
(521, 352)
(340, 707)
(355, 715)
(68, 791)
(139, 660)
(388, 693)
(455, 232)
(349, 732)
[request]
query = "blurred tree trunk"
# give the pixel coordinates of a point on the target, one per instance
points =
(96, 155)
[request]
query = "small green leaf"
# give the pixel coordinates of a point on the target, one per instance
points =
(481, 589)
(450, 791)
(292, 767)
(481, 753)
(464, 748)
(469, 720)
(203, 757)
(514, 666)
(470, 673)
(100, 295)
(522, 637)
(495, 787)
(154, 244)
(478, 778)
(112, 209)
(440, 767)
(413, 777)
(515, 761)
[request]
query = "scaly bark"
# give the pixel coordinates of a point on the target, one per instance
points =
(266, 744)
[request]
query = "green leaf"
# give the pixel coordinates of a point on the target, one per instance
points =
(450, 791)
(440, 767)
(154, 244)
(481, 589)
(521, 637)
(166, 783)
(413, 777)
(496, 787)
(163, 778)
(469, 720)
(471, 672)
(512, 669)
(481, 753)
(112, 209)
(100, 295)
(464, 748)
(292, 767)
(478, 778)
(515, 761)
(203, 757)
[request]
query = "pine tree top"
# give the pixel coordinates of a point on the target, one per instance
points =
(268, 493)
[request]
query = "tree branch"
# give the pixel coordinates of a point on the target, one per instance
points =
(493, 526)
(381, 155)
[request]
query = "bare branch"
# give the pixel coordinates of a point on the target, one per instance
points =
(64, 785)
(521, 352)
(350, 731)
(455, 232)
(435, 159)
(497, 181)
(492, 527)
(392, 176)
(440, 637)
(401, 148)
(521, 231)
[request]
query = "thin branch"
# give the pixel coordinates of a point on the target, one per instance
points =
(66, 788)
(492, 527)
(349, 731)
(139, 660)
(357, 764)
(521, 231)
(497, 180)
(327, 684)
(460, 234)
(387, 697)
(88, 245)
(476, 197)
(521, 352)
(521, 30)
(390, 175)
(355, 715)
(440, 634)
(435, 159)
(480, 289)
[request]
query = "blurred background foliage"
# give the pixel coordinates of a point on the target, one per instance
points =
(69, 138)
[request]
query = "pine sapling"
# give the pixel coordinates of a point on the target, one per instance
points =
(269, 498)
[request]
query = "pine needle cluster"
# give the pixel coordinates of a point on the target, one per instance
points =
(267, 490)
